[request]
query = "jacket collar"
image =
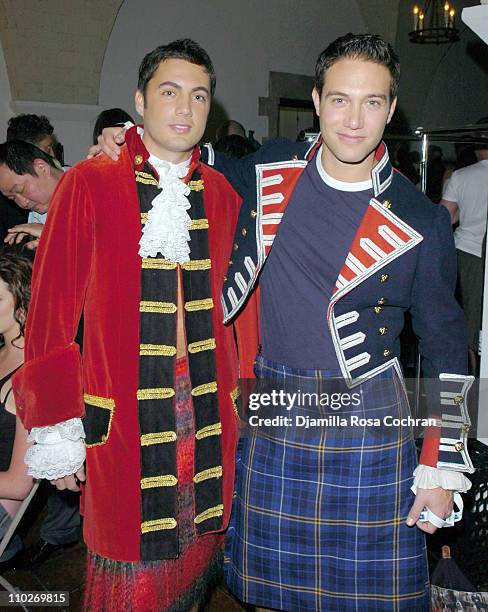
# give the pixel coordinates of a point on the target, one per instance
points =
(138, 153)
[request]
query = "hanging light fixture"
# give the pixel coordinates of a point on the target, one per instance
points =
(435, 23)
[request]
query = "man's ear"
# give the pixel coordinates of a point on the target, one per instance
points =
(139, 102)
(41, 167)
(316, 100)
(392, 109)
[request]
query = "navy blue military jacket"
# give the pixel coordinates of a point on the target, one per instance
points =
(402, 259)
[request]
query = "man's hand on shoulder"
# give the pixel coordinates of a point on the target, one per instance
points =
(439, 501)
(109, 142)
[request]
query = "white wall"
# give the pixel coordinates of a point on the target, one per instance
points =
(244, 39)
(5, 109)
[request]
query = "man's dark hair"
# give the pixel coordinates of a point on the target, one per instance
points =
(19, 157)
(367, 47)
(184, 49)
(109, 118)
(30, 128)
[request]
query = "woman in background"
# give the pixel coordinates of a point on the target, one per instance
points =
(15, 484)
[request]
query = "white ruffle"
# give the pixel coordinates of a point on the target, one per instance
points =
(167, 225)
(427, 477)
(58, 451)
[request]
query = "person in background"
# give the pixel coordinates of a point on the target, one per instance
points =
(465, 196)
(108, 118)
(15, 483)
(29, 176)
(37, 130)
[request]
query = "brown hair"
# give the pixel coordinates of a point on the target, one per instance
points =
(16, 272)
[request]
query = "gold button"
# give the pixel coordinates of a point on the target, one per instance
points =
(254, 214)
(386, 352)
(236, 246)
(295, 157)
(244, 231)
(384, 278)
(103, 438)
(230, 262)
(225, 279)
(382, 331)
(138, 159)
(387, 203)
(458, 399)
(377, 309)
(459, 446)
(465, 428)
(381, 301)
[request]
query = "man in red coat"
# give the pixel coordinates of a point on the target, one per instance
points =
(140, 246)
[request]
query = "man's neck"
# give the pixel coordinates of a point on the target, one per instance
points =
(348, 172)
(163, 154)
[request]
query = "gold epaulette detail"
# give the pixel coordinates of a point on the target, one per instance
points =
(168, 480)
(210, 513)
(197, 264)
(148, 394)
(154, 263)
(144, 218)
(209, 430)
(158, 525)
(158, 437)
(99, 402)
(146, 178)
(210, 387)
(202, 345)
(234, 394)
(160, 307)
(215, 472)
(157, 350)
(196, 185)
(199, 224)
(205, 304)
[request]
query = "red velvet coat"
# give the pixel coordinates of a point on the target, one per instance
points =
(88, 261)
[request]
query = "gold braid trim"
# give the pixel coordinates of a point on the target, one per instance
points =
(205, 304)
(158, 525)
(99, 402)
(234, 394)
(210, 387)
(144, 218)
(210, 513)
(215, 472)
(196, 185)
(158, 437)
(199, 224)
(145, 175)
(160, 307)
(157, 350)
(197, 264)
(148, 394)
(158, 264)
(150, 181)
(168, 480)
(202, 345)
(209, 430)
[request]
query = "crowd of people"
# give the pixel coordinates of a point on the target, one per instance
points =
(166, 272)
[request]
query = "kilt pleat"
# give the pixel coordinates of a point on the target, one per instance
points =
(318, 521)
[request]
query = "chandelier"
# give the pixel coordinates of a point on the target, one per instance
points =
(434, 24)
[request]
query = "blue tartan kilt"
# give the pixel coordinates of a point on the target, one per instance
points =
(318, 519)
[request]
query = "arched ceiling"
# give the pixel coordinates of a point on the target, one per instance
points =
(54, 49)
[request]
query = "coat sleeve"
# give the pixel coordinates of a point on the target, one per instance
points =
(48, 388)
(439, 323)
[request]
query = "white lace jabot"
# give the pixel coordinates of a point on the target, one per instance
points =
(167, 225)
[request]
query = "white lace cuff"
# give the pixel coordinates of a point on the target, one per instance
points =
(427, 477)
(58, 451)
